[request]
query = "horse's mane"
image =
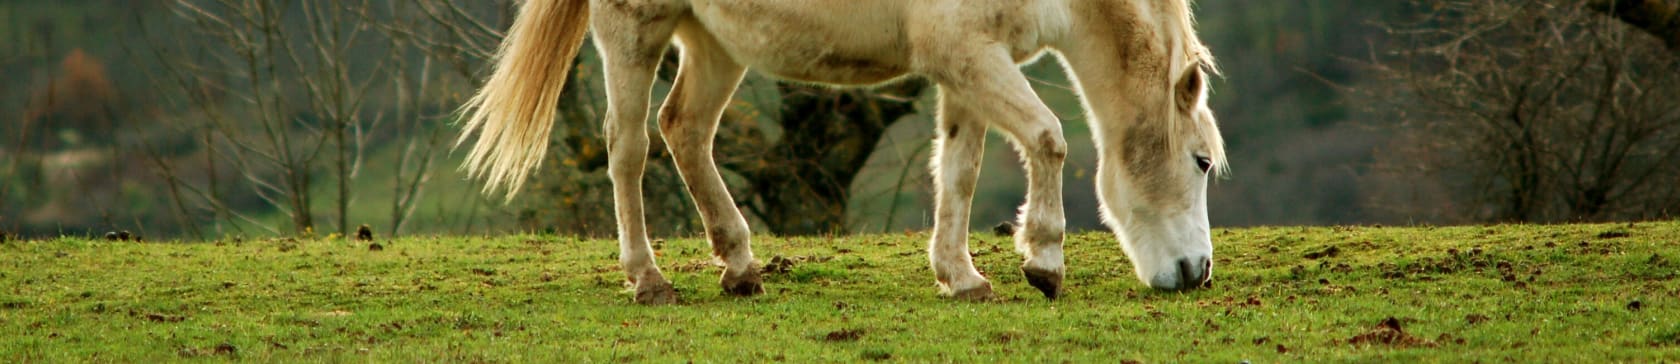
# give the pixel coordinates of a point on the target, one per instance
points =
(1196, 52)
(1191, 51)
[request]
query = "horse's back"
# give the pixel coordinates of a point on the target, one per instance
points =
(837, 42)
(860, 42)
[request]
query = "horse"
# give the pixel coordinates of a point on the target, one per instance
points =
(1137, 65)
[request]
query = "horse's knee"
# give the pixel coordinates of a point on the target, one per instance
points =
(627, 146)
(623, 127)
(626, 155)
(1051, 145)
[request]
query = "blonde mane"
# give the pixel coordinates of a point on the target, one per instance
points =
(1191, 51)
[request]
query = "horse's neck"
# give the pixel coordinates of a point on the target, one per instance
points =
(1137, 29)
(1122, 54)
(1055, 20)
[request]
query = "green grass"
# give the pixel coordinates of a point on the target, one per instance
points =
(1522, 293)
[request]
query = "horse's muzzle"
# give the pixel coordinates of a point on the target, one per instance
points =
(1190, 273)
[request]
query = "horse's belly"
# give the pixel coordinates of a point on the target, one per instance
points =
(858, 42)
(828, 66)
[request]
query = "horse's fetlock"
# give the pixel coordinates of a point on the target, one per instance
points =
(1042, 227)
(728, 242)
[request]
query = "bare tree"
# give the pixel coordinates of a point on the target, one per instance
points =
(1540, 110)
(289, 95)
(445, 39)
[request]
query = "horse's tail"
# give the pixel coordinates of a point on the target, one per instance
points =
(513, 113)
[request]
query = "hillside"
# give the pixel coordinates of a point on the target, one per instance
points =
(1504, 293)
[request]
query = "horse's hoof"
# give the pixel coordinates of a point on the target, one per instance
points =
(749, 283)
(980, 293)
(655, 293)
(1047, 281)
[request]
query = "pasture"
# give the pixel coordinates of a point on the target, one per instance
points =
(1525, 293)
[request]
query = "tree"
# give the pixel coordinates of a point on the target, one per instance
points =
(288, 96)
(1536, 110)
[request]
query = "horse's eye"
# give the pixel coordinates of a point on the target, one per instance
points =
(1204, 163)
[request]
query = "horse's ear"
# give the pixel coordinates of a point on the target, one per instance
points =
(1188, 91)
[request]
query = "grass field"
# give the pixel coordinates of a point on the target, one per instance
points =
(1524, 293)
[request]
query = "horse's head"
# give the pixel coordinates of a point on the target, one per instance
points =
(1155, 195)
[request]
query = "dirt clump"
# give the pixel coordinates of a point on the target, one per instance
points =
(779, 264)
(1388, 332)
(364, 233)
(223, 349)
(1328, 252)
(843, 335)
(1475, 318)
(162, 318)
(1612, 234)
(1006, 228)
(876, 354)
(123, 235)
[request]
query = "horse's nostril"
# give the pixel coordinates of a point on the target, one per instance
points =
(1187, 274)
(1207, 272)
(1190, 273)
(1195, 273)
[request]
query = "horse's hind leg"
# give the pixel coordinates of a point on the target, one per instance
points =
(956, 166)
(688, 121)
(989, 83)
(630, 48)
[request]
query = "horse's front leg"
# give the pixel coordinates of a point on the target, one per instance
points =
(956, 166)
(990, 84)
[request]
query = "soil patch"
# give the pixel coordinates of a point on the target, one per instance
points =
(844, 335)
(1388, 332)
(158, 317)
(1475, 318)
(1328, 252)
(780, 264)
(1006, 228)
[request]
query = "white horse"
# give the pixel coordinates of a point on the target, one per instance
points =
(1138, 65)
